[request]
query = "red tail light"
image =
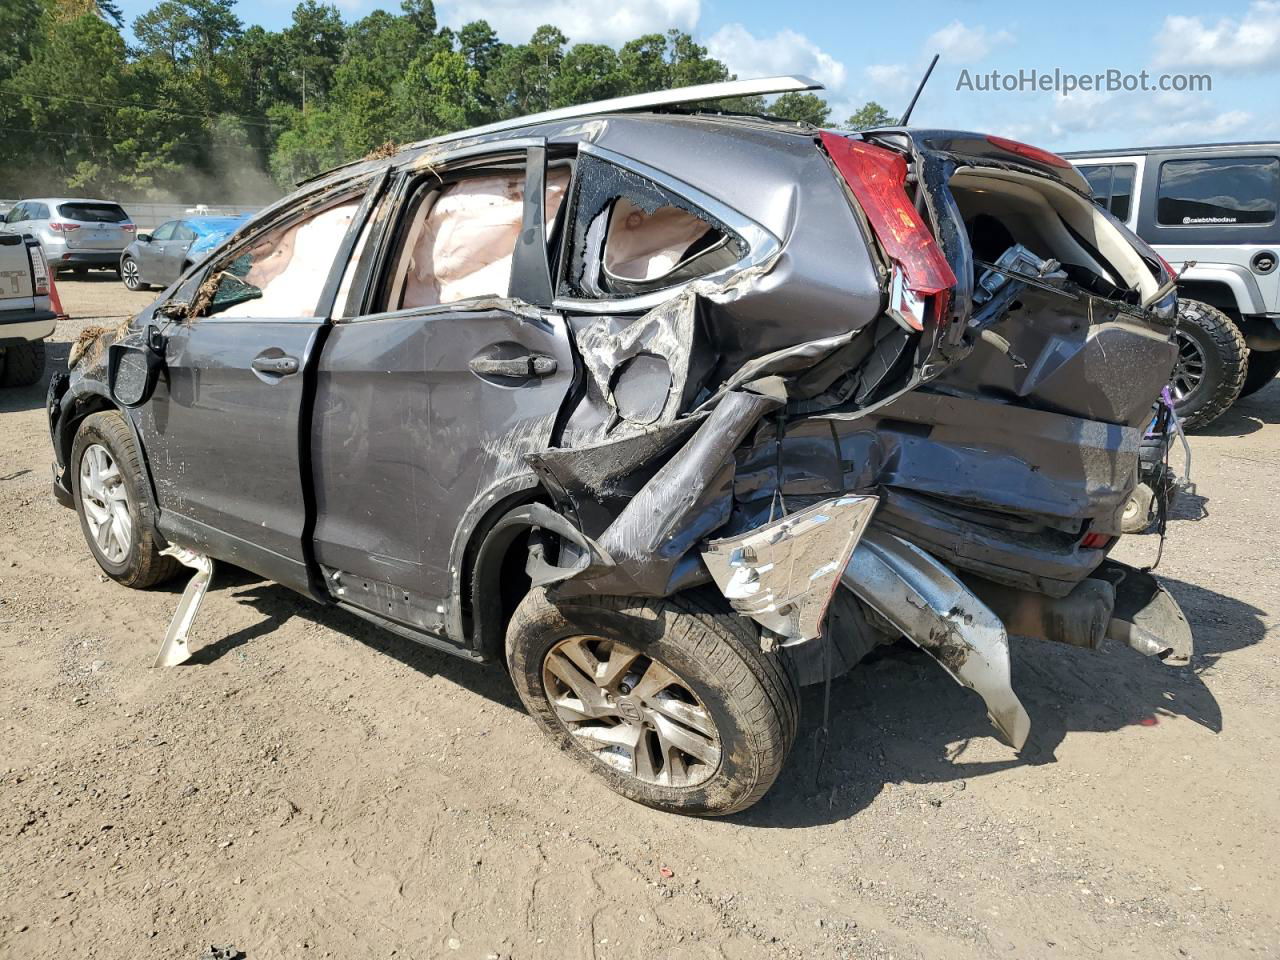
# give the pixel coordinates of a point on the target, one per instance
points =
(1030, 152)
(39, 272)
(1095, 541)
(63, 227)
(877, 177)
(128, 227)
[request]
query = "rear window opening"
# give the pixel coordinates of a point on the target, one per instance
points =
(1001, 208)
(93, 212)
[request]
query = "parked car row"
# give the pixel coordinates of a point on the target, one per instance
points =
(80, 235)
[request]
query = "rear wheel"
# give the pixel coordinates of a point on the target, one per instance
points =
(108, 485)
(669, 701)
(22, 364)
(1263, 367)
(1210, 368)
(131, 275)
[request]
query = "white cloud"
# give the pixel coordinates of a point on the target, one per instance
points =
(893, 77)
(1163, 118)
(1249, 44)
(958, 43)
(581, 20)
(785, 52)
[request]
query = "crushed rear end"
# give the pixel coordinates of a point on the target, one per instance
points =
(951, 463)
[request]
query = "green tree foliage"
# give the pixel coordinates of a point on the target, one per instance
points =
(200, 102)
(868, 116)
(805, 107)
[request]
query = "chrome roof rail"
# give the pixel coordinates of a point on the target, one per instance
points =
(762, 86)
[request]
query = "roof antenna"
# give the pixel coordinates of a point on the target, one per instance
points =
(923, 80)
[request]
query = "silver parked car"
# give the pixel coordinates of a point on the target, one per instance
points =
(165, 254)
(74, 234)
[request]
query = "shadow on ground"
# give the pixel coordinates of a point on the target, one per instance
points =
(897, 717)
(19, 399)
(1247, 415)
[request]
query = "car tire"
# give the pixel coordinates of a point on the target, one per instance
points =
(131, 274)
(115, 511)
(1263, 367)
(699, 722)
(1211, 365)
(23, 364)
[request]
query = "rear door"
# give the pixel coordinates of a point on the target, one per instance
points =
(444, 376)
(223, 429)
(174, 254)
(152, 253)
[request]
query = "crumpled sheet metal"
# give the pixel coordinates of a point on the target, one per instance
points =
(939, 614)
(784, 573)
(688, 498)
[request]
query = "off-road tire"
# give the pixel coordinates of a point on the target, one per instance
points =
(753, 697)
(1226, 358)
(1263, 367)
(22, 364)
(142, 566)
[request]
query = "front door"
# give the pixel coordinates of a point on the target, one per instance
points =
(222, 431)
(427, 404)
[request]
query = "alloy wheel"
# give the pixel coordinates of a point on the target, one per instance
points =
(631, 712)
(1188, 371)
(129, 273)
(106, 503)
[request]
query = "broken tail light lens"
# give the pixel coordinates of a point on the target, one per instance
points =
(877, 178)
(1029, 152)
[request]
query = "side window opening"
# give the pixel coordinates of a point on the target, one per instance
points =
(461, 237)
(164, 231)
(1112, 186)
(630, 236)
(283, 271)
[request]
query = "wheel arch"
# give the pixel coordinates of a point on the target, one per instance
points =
(487, 561)
(78, 407)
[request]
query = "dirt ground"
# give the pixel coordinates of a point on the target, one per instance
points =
(310, 786)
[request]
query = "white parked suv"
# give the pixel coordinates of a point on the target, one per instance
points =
(28, 312)
(1211, 212)
(76, 235)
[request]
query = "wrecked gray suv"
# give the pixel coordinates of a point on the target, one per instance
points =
(670, 411)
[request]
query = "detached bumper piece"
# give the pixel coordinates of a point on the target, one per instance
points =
(938, 613)
(783, 574)
(174, 649)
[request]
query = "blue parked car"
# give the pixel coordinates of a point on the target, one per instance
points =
(162, 256)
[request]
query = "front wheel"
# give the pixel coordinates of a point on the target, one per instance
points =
(1210, 368)
(1263, 367)
(670, 701)
(131, 275)
(108, 484)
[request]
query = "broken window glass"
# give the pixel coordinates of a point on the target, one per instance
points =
(630, 236)
(283, 271)
(462, 236)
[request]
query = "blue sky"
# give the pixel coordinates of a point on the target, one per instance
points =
(880, 51)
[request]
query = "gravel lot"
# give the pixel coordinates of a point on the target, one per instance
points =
(309, 786)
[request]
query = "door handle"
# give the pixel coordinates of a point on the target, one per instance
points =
(280, 366)
(521, 368)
